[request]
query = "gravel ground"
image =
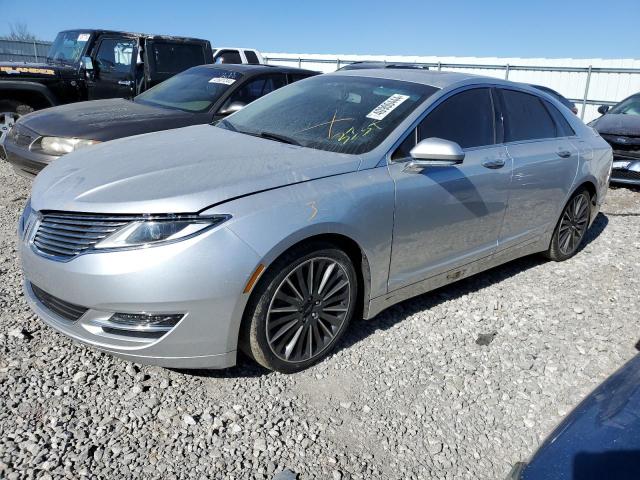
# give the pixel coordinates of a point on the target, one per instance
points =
(459, 383)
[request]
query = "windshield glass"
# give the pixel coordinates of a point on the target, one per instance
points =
(630, 106)
(332, 112)
(195, 90)
(68, 47)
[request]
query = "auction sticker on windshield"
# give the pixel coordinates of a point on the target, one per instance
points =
(83, 37)
(388, 106)
(223, 80)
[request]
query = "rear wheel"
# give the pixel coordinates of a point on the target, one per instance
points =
(10, 111)
(301, 308)
(572, 227)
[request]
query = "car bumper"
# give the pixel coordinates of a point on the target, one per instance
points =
(202, 278)
(626, 171)
(25, 162)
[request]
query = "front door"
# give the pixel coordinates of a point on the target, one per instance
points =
(113, 73)
(446, 217)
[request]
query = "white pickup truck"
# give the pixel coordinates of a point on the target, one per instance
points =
(237, 55)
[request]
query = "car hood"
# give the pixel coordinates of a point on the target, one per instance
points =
(618, 124)
(178, 171)
(105, 119)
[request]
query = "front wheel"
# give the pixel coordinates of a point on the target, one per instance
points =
(10, 111)
(301, 308)
(572, 227)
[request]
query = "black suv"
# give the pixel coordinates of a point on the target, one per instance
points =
(93, 64)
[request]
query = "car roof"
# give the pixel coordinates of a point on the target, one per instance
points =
(100, 31)
(254, 68)
(426, 77)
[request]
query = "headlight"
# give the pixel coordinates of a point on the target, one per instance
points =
(61, 145)
(152, 231)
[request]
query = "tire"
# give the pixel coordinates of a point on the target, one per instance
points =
(15, 106)
(10, 111)
(285, 328)
(571, 229)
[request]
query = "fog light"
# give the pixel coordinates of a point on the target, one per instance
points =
(144, 321)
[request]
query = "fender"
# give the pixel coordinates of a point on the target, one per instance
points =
(30, 87)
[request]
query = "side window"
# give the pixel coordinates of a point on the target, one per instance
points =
(115, 55)
(564, 128)
(228, 56)
(256, 88)
(251, 57)
(466, 118)
(176, 57)
(526, 118)
(294, 77)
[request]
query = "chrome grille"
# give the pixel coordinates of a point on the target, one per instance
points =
(69, 234)
(66, 310)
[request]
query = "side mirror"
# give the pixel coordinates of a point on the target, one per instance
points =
(87, 63)
(434, 152)
(233, 107)
(602, 109)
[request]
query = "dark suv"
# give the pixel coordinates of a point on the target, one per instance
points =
(93, 64)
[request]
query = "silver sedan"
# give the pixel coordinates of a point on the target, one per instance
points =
(329, 199)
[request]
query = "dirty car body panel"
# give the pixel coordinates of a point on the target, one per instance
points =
(273, 195)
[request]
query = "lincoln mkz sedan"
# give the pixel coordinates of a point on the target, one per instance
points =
(334, 197)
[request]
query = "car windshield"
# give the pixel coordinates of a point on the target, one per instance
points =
(68, 47)
(345, 114)
(630, 106)
(195, 90)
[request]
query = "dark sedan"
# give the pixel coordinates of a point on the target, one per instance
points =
(199, 95)
(620, 126)
(600, 439)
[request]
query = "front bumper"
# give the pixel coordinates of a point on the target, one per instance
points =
(202, 277)
(625, 171)
(25, 162)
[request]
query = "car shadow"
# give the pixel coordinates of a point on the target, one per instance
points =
(401, 311)
(361, 329)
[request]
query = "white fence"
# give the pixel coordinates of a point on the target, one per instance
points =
(588, 82)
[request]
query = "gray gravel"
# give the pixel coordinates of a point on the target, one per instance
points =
(460, 383)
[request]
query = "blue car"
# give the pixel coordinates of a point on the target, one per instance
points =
(600, 439)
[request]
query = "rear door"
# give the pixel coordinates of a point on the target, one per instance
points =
(114, 62)
(545, 163)
(446, 217)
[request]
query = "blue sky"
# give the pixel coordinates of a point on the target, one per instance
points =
(560, 28)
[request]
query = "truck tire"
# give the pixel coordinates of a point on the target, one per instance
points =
(10, 111)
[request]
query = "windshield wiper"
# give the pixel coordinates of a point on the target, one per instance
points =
(279, 138)
(267, 135)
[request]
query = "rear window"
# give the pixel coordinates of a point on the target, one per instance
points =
(228, 56)
(176, 57)
(251, 57)
(526, 118)
(564, 128)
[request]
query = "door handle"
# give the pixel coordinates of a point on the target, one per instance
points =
(126, 83)
(564, 153)
(493, 163)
